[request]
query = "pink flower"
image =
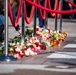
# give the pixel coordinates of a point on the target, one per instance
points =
(17, 56)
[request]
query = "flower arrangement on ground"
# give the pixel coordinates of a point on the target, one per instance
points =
(34, 44)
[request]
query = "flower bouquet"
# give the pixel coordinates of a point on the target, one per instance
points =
(56, 37)
(35, 44)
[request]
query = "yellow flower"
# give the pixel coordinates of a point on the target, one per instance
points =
(31, 28)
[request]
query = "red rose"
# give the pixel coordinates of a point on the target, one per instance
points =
(37, 29)
(43, 47)
(37, 44)
(37, 35)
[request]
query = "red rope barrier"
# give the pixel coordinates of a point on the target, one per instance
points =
(10, 13)
(74, 5)
(28, 21)
(43, 13)
(50, 10)
(15, 23)
(49, 6)
(19, 13)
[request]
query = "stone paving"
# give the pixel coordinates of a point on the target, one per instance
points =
(40, 64)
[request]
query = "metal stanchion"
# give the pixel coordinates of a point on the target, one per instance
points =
(5, 56)
(61, 16)
(56, 17)
(23, 24)
(46, 21)
(35, 15)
